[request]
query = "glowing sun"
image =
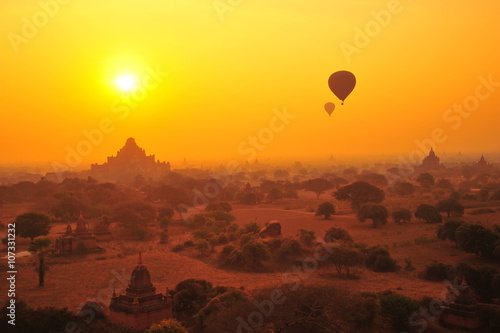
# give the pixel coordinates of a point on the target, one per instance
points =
(126, 83)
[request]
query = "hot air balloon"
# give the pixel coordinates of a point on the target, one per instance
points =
(341, 83)
(329, 107)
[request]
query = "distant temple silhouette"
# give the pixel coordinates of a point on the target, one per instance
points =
(130, 162)
(431, 162)
(482, 165)
(141, 306)
(69, 242)
(463, 312)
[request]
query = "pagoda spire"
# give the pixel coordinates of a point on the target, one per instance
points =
(140, 259)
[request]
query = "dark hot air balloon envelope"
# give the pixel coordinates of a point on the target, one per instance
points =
(329, 107)
(342, 83)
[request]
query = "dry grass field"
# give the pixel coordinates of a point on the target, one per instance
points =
(73, 280)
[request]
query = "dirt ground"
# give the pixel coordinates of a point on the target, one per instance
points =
(73, 280)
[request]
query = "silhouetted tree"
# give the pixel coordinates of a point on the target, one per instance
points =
(337, 234)
(428, 213)
(325, 209)
(449, 206)
(425, 179)
(345, 258)
(448, 230)
(32, 225)
(359, 193)
(397, 310)
(254, 253)
(377, 213)
(474, 238)
(374, 179)
(379, 260)
(444, 183)
(404, 188)
(401, 215)
(40, 246)
(317, 185)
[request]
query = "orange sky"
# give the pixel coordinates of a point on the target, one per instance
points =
(229, 67)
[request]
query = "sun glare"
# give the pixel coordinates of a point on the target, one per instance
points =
(126, 83)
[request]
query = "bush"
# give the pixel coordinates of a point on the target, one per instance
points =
(307, 237)
(338, 234)
(481, 211)
(202, 246)
(397, 309)
(189, 243)
(438, 272)
(290, 249)
(251, 228)
(178, 248)
(379, 260)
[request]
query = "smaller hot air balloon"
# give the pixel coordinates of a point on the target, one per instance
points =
(342, 83)
(329, 107)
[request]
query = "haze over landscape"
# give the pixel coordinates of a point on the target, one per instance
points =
(189, 166)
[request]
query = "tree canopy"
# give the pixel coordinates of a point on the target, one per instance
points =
(377, 213)
(325, 209)
(32, 225)
(428, 213)
(317, 185)
(359, 193)
(450, 206)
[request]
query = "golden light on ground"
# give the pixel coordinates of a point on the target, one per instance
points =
(126, 83)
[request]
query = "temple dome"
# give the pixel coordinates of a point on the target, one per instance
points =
(140, 280)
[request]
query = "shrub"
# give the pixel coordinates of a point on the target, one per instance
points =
(481, 211)
(290, 248)
(379, 260)
(438, 272)
(189, 243)
(202, 246)
(397, 310)
(251, 228)
(338, 234)
(178, 248)
(307, 237)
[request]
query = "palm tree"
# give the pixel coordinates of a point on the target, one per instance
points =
(40, 246)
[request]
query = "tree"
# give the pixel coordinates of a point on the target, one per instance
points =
(450, 206)
(317, 185)
(359, 193)
(474, 238)
(448, 231)
(134, 213)
(345, 258)
(202, 246)
(397, 310)
(337, 234)
(275, 194)
(338, 181)
(377, 213)
(254, 253)
(444, 183)
(166, 211)
(428, 213)
(167, 326)
(401, 215)
(219, 206)
(425, 179)
(39, 246)
(379, 260)
(32, 225)
(375, 179)
(326, 209)
(404, 188)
